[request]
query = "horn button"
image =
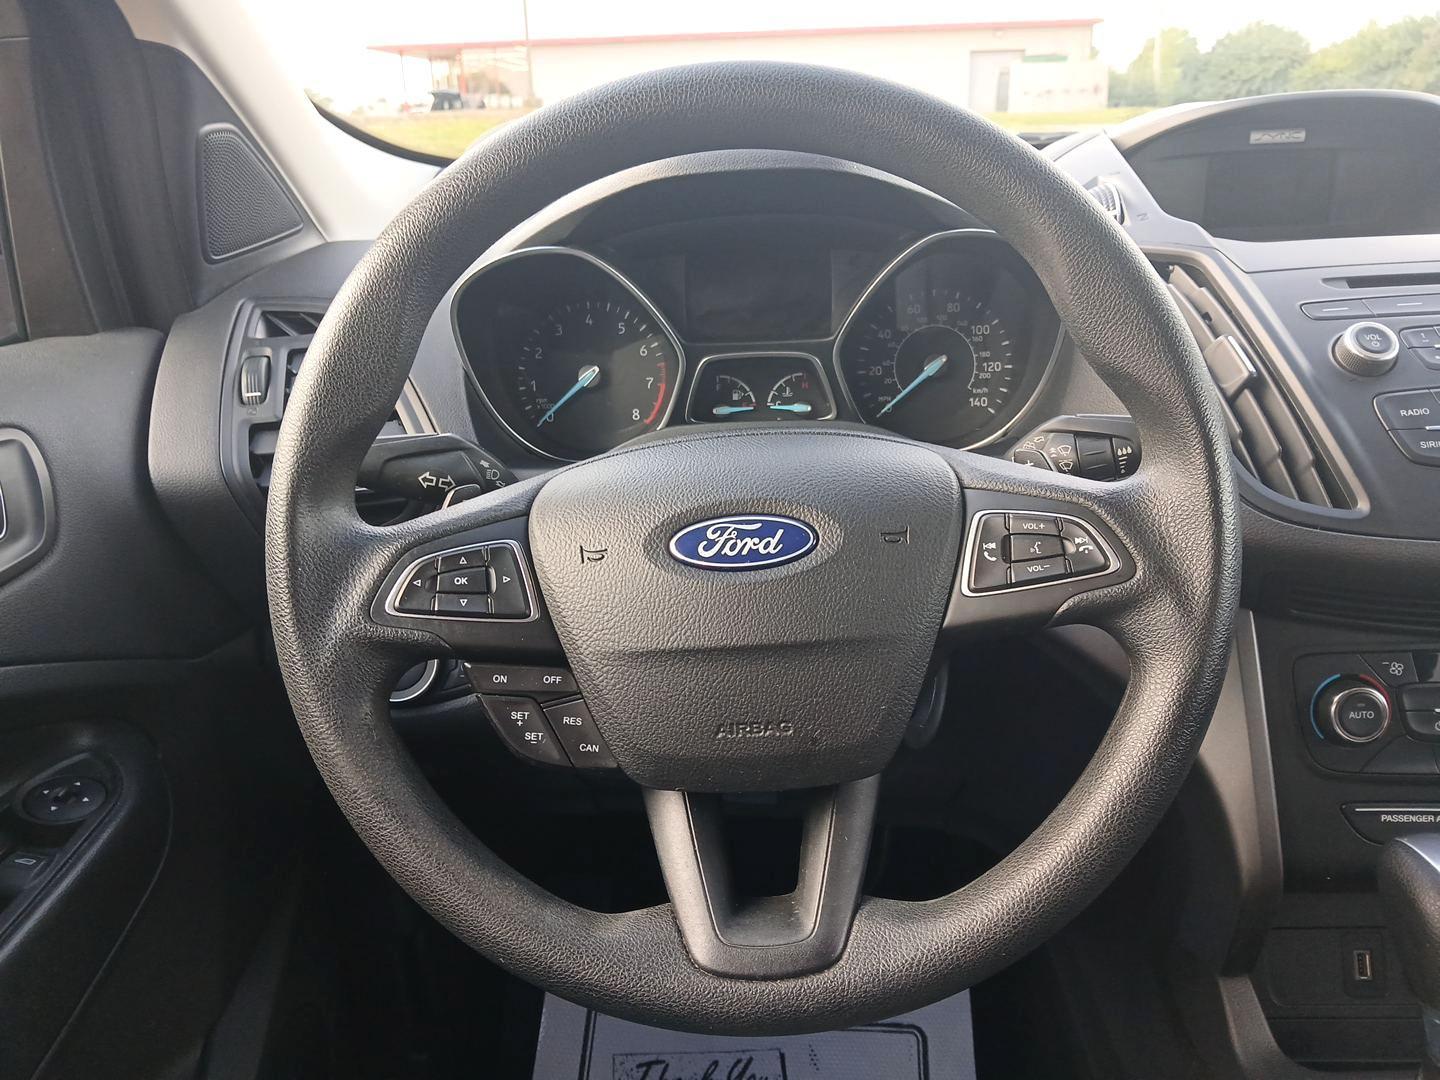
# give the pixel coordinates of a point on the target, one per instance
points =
(750, 611)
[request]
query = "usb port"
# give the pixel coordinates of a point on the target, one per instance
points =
(1362, 965)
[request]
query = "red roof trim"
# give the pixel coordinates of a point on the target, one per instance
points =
(436, 48)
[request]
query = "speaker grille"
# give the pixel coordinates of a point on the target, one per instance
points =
(243, 204)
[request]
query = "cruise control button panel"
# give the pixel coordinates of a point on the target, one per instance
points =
(1011, 550)
(540, 715)
(480, 581)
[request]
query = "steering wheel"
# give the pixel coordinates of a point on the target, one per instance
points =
(798, 674)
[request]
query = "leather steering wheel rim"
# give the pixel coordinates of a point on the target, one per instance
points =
(1177, 515)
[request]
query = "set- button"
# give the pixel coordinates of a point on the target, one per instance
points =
(480, 582)
(1412, 417)
(1013, 550)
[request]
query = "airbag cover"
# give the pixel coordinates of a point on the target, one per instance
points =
(779, 676)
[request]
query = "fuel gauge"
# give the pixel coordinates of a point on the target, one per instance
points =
(721, 396)
(730, 387)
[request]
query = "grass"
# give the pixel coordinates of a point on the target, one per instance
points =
(449, 133)
(1065, 121)
(444, 133)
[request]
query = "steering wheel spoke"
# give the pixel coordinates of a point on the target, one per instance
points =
(764, 937)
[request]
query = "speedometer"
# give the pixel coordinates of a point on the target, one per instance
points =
(934, 363)
(942, 346)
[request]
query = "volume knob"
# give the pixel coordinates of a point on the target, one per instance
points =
(1366, 348)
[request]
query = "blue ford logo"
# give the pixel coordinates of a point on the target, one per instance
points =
(744, 542)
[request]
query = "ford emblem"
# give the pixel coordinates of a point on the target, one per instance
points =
(743, 542)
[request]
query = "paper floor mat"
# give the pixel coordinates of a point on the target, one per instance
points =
(934, 1043)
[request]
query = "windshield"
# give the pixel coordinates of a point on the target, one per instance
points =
(430, 76)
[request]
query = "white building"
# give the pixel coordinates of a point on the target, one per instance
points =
(1017, 66)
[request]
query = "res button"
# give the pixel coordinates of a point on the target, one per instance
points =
(576, 730)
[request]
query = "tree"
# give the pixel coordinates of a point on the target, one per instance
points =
(1137, 84)
(1401, 56)
(1261, 58)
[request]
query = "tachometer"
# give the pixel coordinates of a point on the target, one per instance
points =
(569, 355)
(592, 374)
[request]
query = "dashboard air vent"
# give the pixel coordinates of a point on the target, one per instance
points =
(1400, 611)
(1266, 432)
(1108, 196)
(273, 324)
(285, 335)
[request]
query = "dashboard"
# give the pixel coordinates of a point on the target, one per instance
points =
(758, 287)
(778, 317)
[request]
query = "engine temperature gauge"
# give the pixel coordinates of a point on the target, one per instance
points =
(730, 387)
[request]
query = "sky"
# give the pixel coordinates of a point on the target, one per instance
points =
(330, 52)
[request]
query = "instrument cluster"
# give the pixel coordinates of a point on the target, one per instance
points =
(947, 344)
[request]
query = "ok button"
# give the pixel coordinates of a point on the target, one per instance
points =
(476, 580)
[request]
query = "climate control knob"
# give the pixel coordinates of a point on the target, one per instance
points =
(1352, 711)
(1366, 348)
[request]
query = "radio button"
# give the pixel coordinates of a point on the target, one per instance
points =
(1409, 409)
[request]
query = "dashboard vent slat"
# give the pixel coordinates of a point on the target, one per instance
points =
(272, 323)
(1368, 608)
(1267, 435)
(1107, 194)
